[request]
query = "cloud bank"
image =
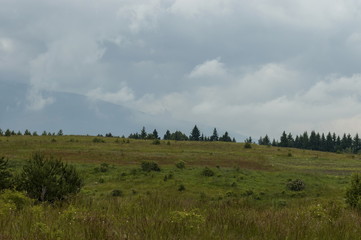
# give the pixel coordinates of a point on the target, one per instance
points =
(253, 68)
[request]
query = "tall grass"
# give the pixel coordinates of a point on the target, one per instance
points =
(246, 198)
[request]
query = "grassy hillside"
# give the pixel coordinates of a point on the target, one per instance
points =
(246, 198)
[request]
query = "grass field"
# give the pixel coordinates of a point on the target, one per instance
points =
(246, 198)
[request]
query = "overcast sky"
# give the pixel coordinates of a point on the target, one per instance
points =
(251, 67)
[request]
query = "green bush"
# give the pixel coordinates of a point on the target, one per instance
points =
(181, 188)
(353, 193)
(156, 141)
(247, 145)
(117, 193)
(150, 166)
(5, 175)
(207, 172)
(19, 199)
(295, 185)
(48, 179)
(98, 140)
(180, 165)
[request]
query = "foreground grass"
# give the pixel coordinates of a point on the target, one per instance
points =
(245, 199)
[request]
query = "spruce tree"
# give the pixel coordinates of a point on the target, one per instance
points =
(195, 134)
(214, 136)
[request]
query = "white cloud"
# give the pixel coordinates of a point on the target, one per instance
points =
(210, 68)
(122, 96)
(6, 45)
(36, 101)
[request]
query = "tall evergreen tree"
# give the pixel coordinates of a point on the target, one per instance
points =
(155, 134)
(167, 135)
(143, 133)
(284, 140)
(214, 136)
(329, 143)
(195, 134)
(225, 138)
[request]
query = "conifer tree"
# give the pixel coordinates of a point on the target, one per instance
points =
(195, 134)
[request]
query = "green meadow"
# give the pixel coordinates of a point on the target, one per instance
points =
(245, 198)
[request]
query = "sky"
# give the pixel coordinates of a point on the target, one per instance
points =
(250, 67)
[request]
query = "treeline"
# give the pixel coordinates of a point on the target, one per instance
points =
(195, 135)
(9, 133)
(317, 141)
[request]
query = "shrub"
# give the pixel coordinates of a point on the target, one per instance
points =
(295, 185)
(17, 198)
(207, 172)
(353, 193)
(150, 166)
(156, 141)
(180, 165)
(181, 188)
(247, 145)
(5, 175)
(98, 140)
(48, 179)
(117, 193)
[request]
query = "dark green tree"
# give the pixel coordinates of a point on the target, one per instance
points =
(7, 133)
(49, 179)
(214, 136)
(195, 134)
(356, 146)
(143, 133)
(167, 135)
(155, 134)
(284, 140)
(5, 175)
(225, 138)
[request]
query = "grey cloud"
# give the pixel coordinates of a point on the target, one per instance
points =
(225, 63)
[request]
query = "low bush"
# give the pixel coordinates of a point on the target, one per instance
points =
(19, 199)
(295, 185)
(181, 188)
(117, 193)
(207, 172)
(247, 145)
(147, 166)
(48, 179)
(353, 193)
(156, 141)
(5, 175)
(98, 140)
(180, 165)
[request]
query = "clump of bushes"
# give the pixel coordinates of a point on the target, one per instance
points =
(98, 140)
(5, 174)
(207, 172)
(247, 145)
(180, 164)
(353, 193)
(148, 166)
(104, 167)
(295, 185)
(156, 141)
(117, 193)
(181, 188)
(48, 179)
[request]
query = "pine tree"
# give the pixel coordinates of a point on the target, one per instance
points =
(143, 133)
(356, 144)
(195, 134)
(214, 137)
(155, 134)
(167, 135)
(284, 140)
